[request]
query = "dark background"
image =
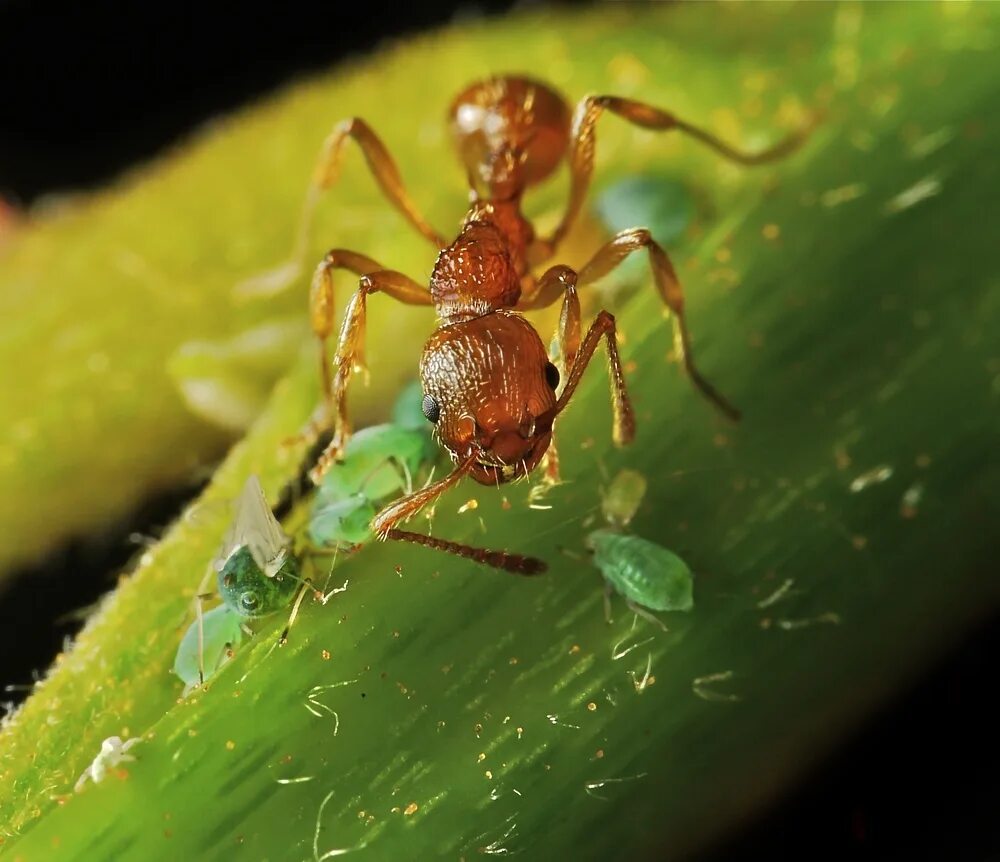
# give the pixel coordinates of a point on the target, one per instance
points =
(89, 88)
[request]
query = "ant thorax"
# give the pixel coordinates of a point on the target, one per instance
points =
(475, 274)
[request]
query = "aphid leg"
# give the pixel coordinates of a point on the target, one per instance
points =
(384, 526)
(665, 277)
(624, 418)
(203, 592)
(382, 167)
(640, 611)
(583, 143)
(304, 587)
(608, 590)
(350, 350)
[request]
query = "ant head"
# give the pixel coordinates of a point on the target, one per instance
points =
(490, 391)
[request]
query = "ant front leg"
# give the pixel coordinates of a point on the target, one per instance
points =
(583, 144)
(623, 430)
(669, 287)
(350, 351)
(382, 167)
(322, 316)
(384, 526)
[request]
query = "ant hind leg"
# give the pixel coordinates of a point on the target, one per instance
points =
(583, 143)
(669, 288)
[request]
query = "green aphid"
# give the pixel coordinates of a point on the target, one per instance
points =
(378, 461)
(341, 522)
(406, 412)
(248, 592)
(659, 203)
(256, 575)
(622, 499)
(222, 631)
(648, 576)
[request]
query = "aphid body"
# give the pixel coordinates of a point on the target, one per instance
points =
(642, 571)
(648, 576)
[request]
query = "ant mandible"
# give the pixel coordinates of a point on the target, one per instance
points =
(489, 386)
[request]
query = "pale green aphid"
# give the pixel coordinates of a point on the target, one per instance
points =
(622, 499)
(222, 631)
(256, 575)
(648, 576)
(341, 522)
(378, 463)
(660, 203)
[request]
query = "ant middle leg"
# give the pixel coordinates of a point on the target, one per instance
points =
(669, 288)
(576, 356)
(349, 357)
(386, 173)
(583, 144)
(384, 526)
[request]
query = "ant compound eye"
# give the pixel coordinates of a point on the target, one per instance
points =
(249, 601)
(430, 408)
(551, 375)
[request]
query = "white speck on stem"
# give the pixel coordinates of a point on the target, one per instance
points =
(875, 476)
(700, 686)
(777, 595)
(923, 189)
(113, 752)
(591, 786)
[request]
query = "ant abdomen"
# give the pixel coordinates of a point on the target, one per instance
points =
(510, 132)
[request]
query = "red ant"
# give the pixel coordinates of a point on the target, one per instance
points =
(489, 386)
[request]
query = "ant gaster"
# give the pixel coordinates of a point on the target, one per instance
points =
(489, 386)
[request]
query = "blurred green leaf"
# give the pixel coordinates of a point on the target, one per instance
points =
(847, 299)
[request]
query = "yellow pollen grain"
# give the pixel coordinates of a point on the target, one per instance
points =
(410, 809)
(230, 745)
(771, 231)
(592, 706)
